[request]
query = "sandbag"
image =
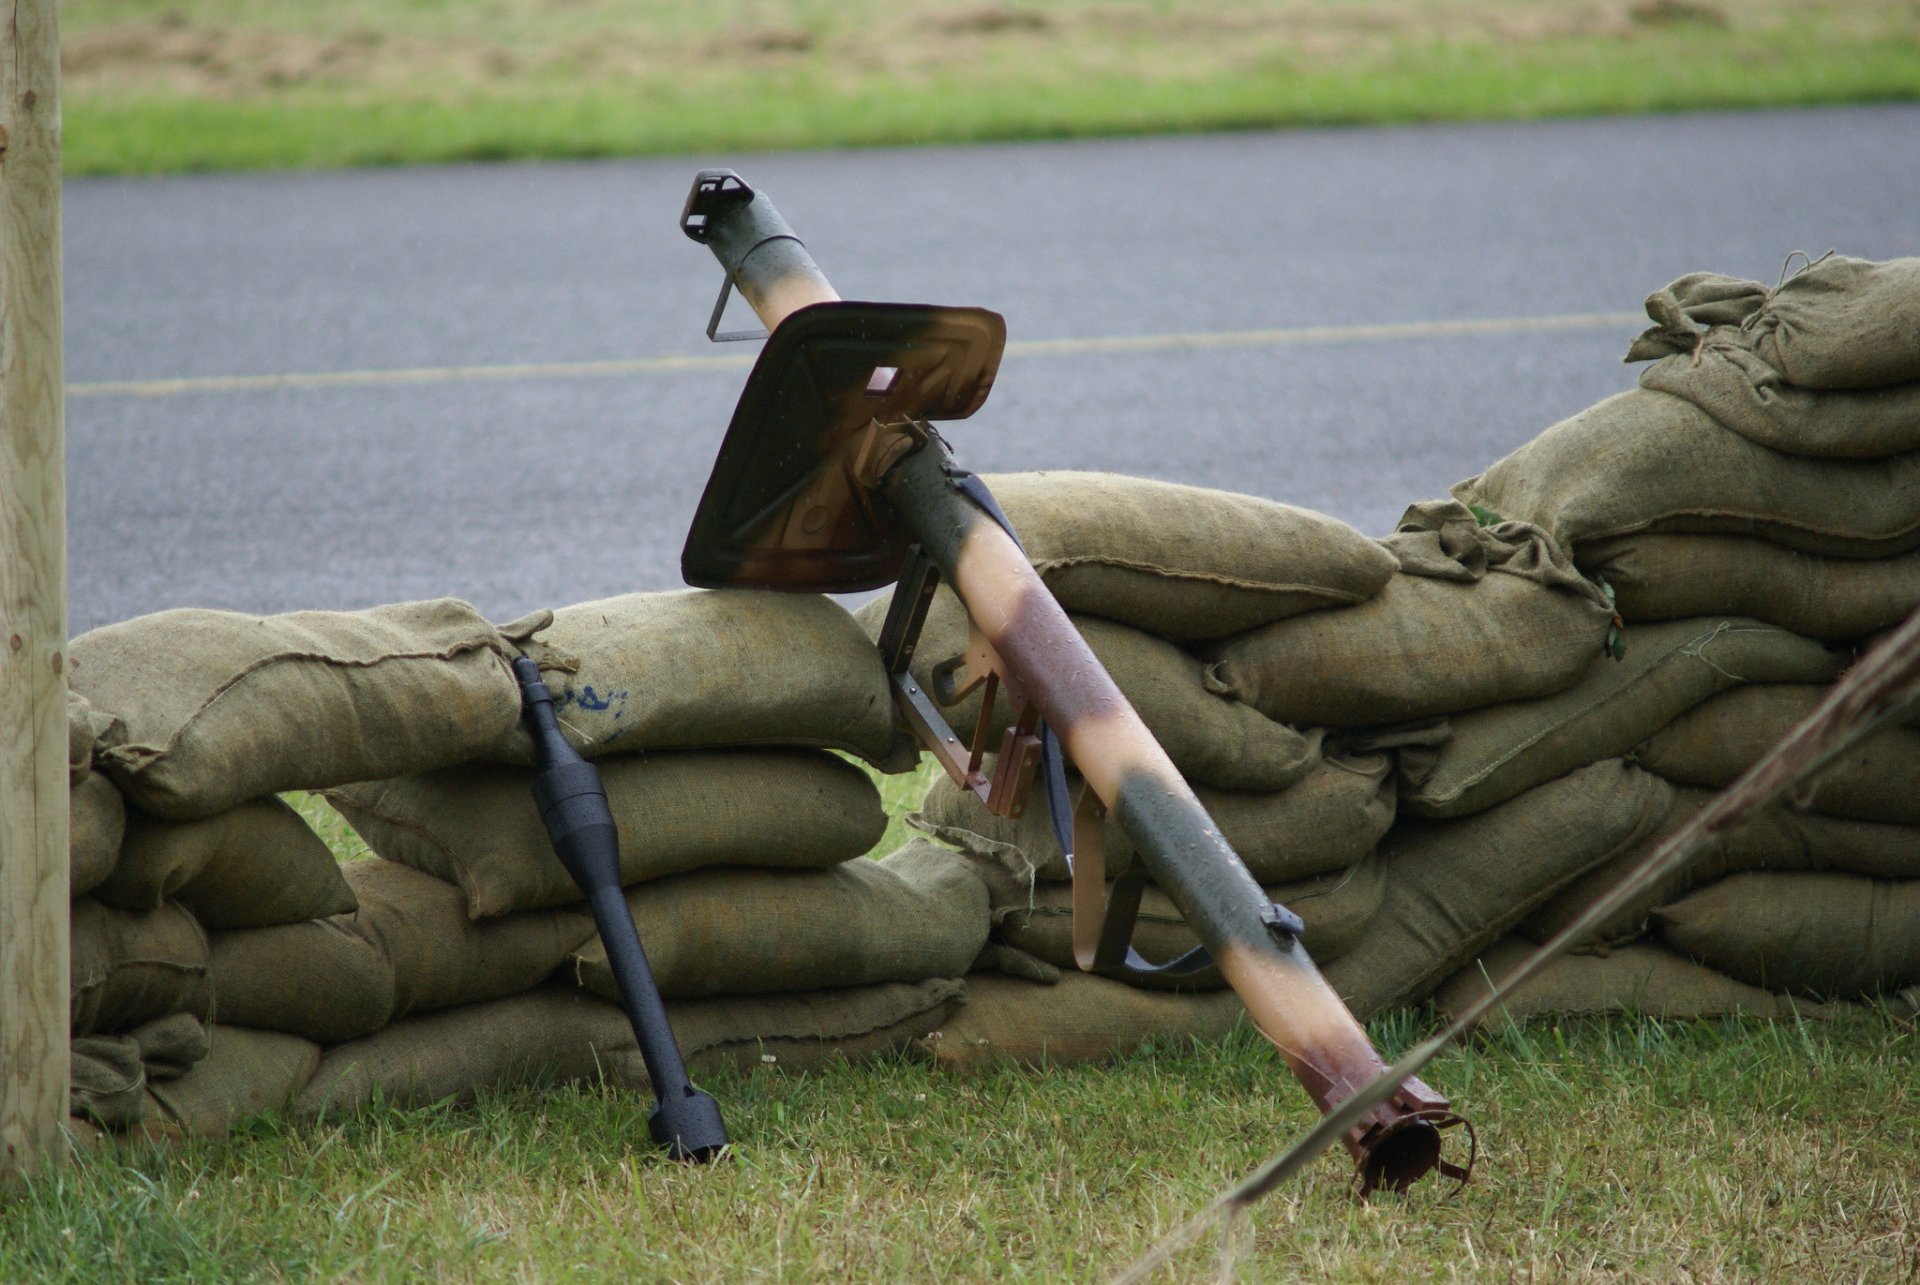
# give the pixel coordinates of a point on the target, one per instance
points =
(128, 969)
(109, 1074)
(1668, 577)
(85, 727)
(254, 865)
(1647, 461)
(1646, 980)
(1454, 887)
(96, 820)
(1336, 907)
(1327, 821)
(560, 1035)
(918, 913)
(477, 825)
(696, 669)
(1777, 838)
(1840, 323)
(1081, 1019)
(245, 1074)
(1832, 935)
(215, 707)
(410, 947)
(1213, 739)
(1423, 646)
(1712, 744)
(1498, 751)
(1183, 561)
(1724, 378)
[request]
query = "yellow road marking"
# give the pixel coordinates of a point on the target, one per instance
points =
(1388, 331)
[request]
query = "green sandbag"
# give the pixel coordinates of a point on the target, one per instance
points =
(477, 825)
(1668, 577)
(1724, 378)
(1646, 461)
(1455, 887)
(96, 820)
(110, 1073)
(561, 1035)
(1646, 980)
(1498, 751)
(216, 707)
(1832, 935)
(128, 969)
(696, 669)
(1423, 646)
(409, 948)
(1183, 561)
(1081, 1019)
(1327, 821)
(918, 913)
(1712, 744)
(1778, 838)
(1840, 323)
(1337, 908)
(245, 1074)
(1212, 739)
(256, 864)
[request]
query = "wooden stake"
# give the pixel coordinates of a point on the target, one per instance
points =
(34, 914)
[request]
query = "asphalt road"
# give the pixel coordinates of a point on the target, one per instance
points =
(335, 390)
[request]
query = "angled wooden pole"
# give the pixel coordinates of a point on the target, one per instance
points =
(34, 914)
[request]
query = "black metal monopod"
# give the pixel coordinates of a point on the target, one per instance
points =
(573, 806)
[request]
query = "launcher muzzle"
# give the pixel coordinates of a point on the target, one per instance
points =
(833, 480)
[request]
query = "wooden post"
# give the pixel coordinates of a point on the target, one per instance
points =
(34, 914)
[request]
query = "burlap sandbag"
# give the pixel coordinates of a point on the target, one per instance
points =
(561, 1035)
(1455, 887)
(1833, 935)
(1326, 821)
(216, 707)
(86, 726)
(918, 913)
(128, 969)
(1646, 461)
(1668, 577)
(1713, 743)
(410, 947)
(1724, 378)
(696, 669)
(477, 825)
(1840, 323)
(109, 1074)
(1647, 980)
(258, 863)
(96, 821)
(1183, 561)
(1213, 739)
(1337, 908)
(1081, 1019)
(245, 1074)
(1778, 838)
(1423, 646)
(1667, 669)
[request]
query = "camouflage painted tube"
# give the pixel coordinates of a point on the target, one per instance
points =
(1181, 847)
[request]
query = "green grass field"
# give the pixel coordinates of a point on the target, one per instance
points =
(161, 85)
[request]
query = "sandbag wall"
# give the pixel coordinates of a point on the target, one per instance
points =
(225, 963)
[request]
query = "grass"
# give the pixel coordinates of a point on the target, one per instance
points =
(164, 85)
(1630, 1148)
(1633, 1147)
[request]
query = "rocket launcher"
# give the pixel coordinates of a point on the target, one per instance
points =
(833, 479)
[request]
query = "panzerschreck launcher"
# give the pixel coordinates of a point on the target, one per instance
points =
(833, 480)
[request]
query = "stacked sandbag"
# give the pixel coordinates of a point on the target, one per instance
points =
(1758, 492)
(711, 716)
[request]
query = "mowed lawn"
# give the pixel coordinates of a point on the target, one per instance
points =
(157, 85)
